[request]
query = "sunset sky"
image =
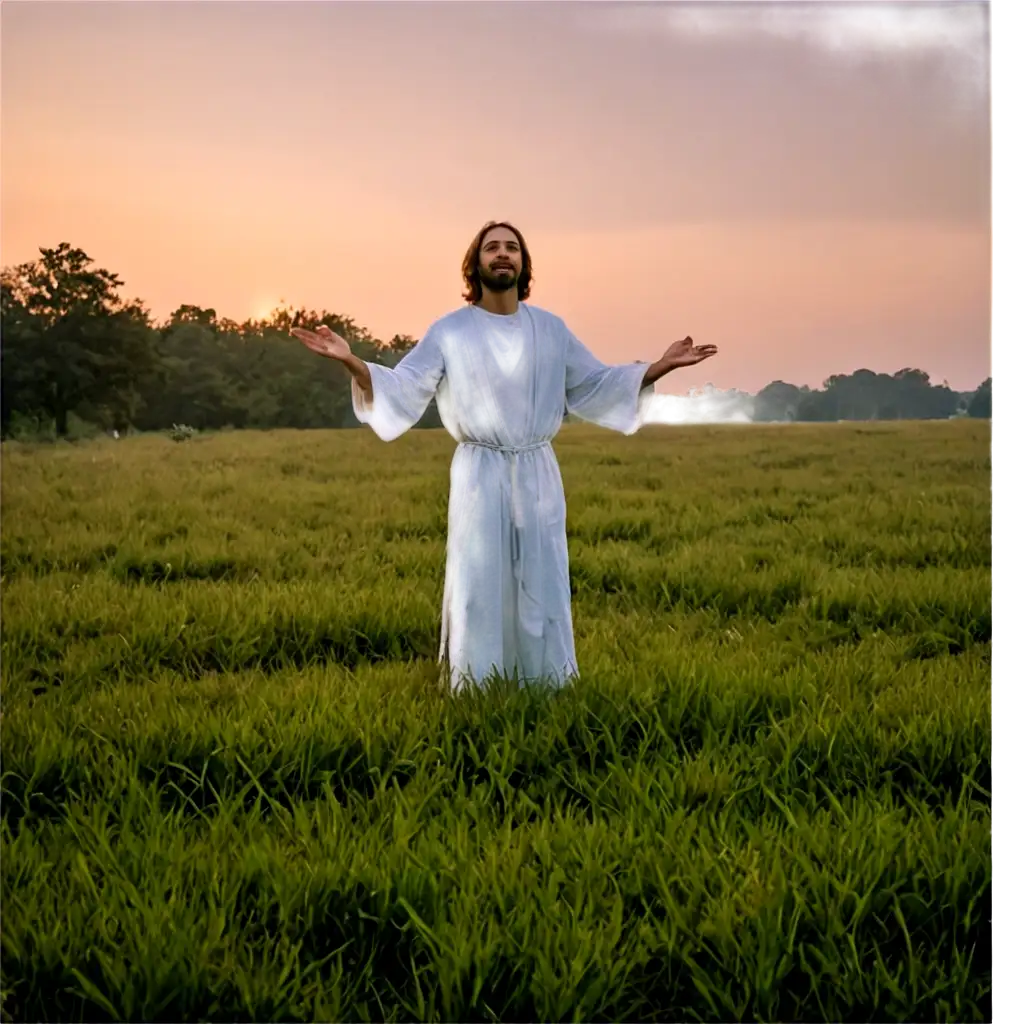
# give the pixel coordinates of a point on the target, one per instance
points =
(805, 185)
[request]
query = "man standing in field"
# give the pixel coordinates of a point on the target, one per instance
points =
(504, 373)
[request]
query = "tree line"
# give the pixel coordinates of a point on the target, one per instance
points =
(71, 347)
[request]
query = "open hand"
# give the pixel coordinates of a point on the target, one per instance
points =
(685, 353)
(323, 341)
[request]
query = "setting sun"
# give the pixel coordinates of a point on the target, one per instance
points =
(265, 309)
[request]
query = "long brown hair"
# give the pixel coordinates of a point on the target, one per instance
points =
(471, 263)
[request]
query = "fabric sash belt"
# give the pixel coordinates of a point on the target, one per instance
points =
(512, 449)
(516, 496)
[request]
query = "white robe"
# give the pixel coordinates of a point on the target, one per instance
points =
(502, 385)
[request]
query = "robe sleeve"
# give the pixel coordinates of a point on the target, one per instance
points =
(400, 395)
(610, 396)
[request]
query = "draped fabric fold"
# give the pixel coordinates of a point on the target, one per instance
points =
(503, 384)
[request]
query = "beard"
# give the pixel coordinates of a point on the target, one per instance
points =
(500, 281)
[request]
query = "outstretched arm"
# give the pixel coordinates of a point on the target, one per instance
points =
(614, 397)
(324, 342)
(389, 400)
(399, 397)
(360, 374)
(620, 397)
(677, 355)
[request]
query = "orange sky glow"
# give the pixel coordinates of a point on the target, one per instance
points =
(805, 185)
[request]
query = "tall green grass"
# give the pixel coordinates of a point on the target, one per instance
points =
(233, 788)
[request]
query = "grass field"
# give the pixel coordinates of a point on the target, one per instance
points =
(232, 789)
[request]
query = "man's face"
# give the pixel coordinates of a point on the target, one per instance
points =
(501, 260)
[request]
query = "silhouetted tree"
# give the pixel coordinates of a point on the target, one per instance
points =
(777, 402)
(980, 403)
(71, 342)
